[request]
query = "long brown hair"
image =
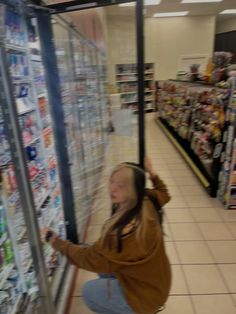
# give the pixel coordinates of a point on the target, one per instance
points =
(136, 181)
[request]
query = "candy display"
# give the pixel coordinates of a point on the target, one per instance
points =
(227, 177)
(197, 115)
(127, 86)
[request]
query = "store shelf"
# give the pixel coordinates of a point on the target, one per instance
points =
(15, 47)
(32, 142)
(22, 234)
(36, 58)
(128, 73)
(43, 95)
(129, 102)
(16, 306)
(23, 112)
(128, 93)
(176, 141)
(124, 81)
(28, 266)
(22, 81)
(39, 205)
(3, 239)
(5, 273)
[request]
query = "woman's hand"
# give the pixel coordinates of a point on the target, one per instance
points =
(148, 166)
(48, 235)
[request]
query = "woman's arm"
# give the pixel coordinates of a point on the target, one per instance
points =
(87, 258)
(159, 187)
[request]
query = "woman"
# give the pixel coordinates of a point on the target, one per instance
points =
(130, 256)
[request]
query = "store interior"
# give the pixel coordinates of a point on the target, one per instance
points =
(69, 112)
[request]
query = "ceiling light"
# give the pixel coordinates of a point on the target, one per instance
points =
(200, 1)
(152, 2)
(146, 2)
(230, 11)
(171, 14)
(127, 4)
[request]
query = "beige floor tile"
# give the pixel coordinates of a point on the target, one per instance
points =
(213, 304)
(198, 201)
(82, 277)
(78, 307)
(174, 190)
(186, 181)
(179, 215)
(169, 182)
(171, 252)
(93, 233)
(179, 173)
(234, 298)
(205, 214)
(229, 274)
(173, 161)
(195, 252)
(204, 279)
(232, 228)
(177, 202)
(223, 251)
(183, 166)
(178, 305)
(164, 174)
(185, 231)
(167, 231)
(192, 190)
(179, 286)
(215, 231)
(227, 215)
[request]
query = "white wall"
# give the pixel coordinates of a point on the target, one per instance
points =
(226, 26)
(167, 39)
(121, 42)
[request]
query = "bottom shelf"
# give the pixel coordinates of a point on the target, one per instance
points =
(192, 160)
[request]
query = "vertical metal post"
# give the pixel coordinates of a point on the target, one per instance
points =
(140, 67)
(23, 182)
(56, 108)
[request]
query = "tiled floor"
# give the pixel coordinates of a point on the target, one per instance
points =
(200, 234)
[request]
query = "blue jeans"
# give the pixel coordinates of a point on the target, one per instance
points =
(105, 296)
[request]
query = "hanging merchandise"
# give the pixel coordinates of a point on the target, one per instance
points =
(195, 115)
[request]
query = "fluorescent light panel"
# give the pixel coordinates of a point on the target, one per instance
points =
(171, 14)
(127, 4)
(146, 2)
(230, 11)
(200, 1)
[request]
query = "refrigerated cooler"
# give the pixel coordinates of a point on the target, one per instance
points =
(31, 191)
(49, 134)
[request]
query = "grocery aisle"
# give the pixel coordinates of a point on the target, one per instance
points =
(200, 234)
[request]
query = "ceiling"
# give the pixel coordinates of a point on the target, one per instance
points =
(176, 5)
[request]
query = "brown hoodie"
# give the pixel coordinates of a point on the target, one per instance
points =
(142, 268)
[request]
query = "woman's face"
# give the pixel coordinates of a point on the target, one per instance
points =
(118, 187)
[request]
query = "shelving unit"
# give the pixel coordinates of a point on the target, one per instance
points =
(126, 82)
(227, 178)
(195, 116)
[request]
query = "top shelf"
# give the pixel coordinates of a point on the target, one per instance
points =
(15, 47)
